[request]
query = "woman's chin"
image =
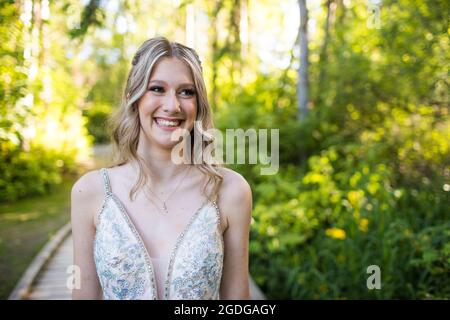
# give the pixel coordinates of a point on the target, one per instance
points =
(161, 138)
(164, 142)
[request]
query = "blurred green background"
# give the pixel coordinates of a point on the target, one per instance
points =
(364, 169)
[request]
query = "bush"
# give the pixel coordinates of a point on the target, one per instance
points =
(374, 196)
(97, 114)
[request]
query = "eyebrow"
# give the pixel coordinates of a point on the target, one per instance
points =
(185, 84)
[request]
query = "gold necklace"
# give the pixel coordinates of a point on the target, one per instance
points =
(164, 209)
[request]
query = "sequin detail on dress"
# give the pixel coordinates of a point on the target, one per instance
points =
(124, 266)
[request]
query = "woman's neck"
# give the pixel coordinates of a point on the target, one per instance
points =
(159, 161)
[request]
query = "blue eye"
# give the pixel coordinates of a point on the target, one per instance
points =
(157, 89)
(188, 92)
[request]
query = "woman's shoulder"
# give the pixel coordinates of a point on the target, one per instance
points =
(235, 195)
(89, 184)
(88, 194)
(233, 181)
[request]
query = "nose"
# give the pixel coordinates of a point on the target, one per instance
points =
(171, 103)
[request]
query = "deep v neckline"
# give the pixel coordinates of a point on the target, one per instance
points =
(173, 252)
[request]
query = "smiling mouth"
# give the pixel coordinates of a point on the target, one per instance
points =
(167, 122)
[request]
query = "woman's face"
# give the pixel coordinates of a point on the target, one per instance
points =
(169, 103)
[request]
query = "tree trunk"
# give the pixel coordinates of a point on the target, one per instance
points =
(323, 54)
(302, 84)
(234, 42)
(215, 54)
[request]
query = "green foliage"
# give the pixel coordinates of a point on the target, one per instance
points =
(363, 180)
(12, 79)
(26, 226)
(374, 189)
(97, 123)
(42, 132)
(317, 228)
(27, 173)
(92, 16)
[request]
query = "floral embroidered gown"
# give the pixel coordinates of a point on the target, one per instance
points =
(193, 270)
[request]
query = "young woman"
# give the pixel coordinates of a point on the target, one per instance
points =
(147, 227)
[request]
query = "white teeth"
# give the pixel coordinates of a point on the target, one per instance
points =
(167, 123)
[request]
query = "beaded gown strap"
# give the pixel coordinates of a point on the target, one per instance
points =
(106, 183)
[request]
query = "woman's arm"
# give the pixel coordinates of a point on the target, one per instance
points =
(235, 201)
(87, 198)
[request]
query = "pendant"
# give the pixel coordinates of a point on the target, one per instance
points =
(165, 208)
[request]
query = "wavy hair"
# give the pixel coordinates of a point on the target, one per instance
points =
(125, 124)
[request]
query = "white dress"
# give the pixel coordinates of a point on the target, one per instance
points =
(192, 270)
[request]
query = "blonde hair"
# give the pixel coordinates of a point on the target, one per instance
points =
(125, 124)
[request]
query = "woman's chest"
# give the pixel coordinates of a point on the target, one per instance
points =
(195, 260)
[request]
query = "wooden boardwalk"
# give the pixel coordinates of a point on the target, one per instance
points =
(51, 283)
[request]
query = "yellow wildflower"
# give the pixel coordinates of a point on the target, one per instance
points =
(363, 224)
(335, 233)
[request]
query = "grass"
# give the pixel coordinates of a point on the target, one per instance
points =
(25, 227)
